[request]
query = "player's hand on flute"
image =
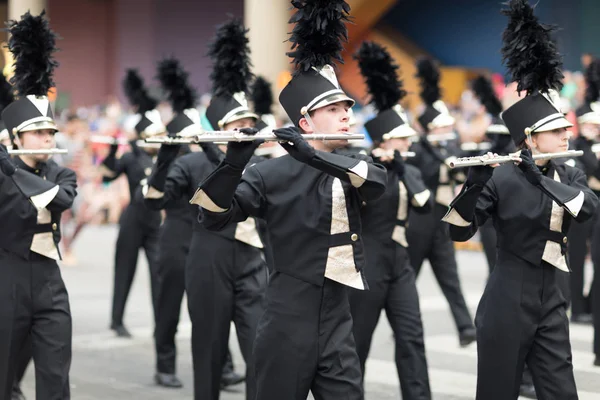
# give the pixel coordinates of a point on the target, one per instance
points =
(167, 153)
(294, 144)
(529, 168)
(480, 174)
(398, 164)
(239, 153)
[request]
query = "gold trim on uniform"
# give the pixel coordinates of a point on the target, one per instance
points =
(150, 192)
(43, 199)
(358, 174)
(43, 243)
(552, 251)
(399, 233)
(340, 265)
(454, 218)
(201, 199)
(246, 232)
(420, 199)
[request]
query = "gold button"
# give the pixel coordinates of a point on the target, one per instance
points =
(565, 240)
(54, 226)
(354, 237)
(364, 203)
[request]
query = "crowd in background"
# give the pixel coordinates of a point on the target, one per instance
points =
(100, 203)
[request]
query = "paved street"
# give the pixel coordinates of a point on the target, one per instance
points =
(106, 367)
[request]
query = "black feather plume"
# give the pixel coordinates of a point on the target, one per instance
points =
(262, 96)
(381, 75)
(320, 31)
(483, 89)
(592, 79)
(133, 86)
(6, 93)
(529, 52)
(429, 74)
(32, 44)
(230, 53)
(174, 81)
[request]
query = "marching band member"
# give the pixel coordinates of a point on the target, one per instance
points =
(501, 143)
(138, 226)
(310, 200)
(588, 121)
(175, 233)
(225, 272)
(427, 236)
(391, 279)
(521, 317)
(581, 235)
(34, 191)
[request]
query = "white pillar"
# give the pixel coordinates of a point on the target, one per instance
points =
(267, 21)
(16, 8)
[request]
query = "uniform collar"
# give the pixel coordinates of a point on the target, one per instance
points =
(21, 165)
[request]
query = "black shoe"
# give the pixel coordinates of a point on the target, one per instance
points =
(120, 330)
(585, 319)
(527, 390)
(467, 336)
(231, 378)
(167, 380)
(16, 393)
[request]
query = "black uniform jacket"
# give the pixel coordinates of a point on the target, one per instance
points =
(313, 218)
(31, 203)
(531, 221)
(170, 184)
(384, 220)
(137, 166)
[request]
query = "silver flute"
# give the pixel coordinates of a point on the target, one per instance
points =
(31, 152)
(234, 136)
(121, 141)
(472, 146)
(436, 137)
(390, 153)
(489, 160)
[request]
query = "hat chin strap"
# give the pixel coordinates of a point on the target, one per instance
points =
(533, 149)
(16, 141)
(310, 122)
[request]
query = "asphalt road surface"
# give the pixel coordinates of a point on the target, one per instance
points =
(107, 367)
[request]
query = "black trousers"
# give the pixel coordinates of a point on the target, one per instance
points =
(526, 298)
(428, 238)
(305, 343)
(225, 281)
(23, 360)
(595, 292)
(579, 236)
(174, 248)
(34, 304)
(392, 288)
(134, 233)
